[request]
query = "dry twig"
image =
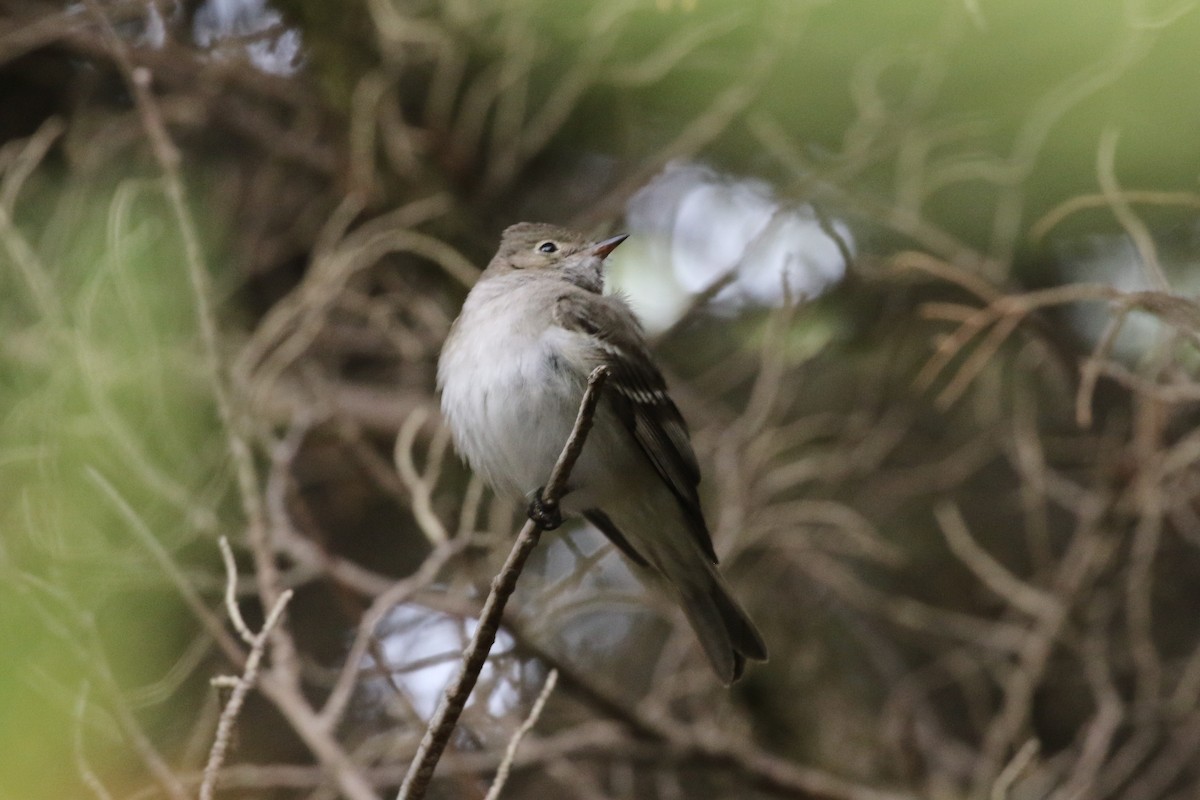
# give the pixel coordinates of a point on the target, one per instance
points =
(437, 735)
(242, 684)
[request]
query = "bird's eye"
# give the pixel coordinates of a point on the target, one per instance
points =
(548, 247)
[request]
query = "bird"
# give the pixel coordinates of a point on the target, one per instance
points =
(511, 375)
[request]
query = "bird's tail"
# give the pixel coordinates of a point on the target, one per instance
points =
(726, 632)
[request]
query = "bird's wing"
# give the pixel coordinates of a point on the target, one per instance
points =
(639, 395)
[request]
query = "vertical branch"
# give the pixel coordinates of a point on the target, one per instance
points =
(437, 735)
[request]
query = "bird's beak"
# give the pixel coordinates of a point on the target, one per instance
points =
(602, 249)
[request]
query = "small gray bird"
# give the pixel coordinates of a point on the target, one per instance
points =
(512, 374)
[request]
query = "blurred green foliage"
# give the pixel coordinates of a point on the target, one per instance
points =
(107, 435)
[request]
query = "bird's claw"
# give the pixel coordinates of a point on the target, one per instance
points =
(544, 512)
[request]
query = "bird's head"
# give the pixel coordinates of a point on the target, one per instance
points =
(538, 246)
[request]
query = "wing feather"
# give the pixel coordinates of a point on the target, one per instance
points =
(639, 394)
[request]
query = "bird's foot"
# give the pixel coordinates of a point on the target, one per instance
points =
(545, 513)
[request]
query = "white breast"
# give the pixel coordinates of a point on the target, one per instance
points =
(510, 386)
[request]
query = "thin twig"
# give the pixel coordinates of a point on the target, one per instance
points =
(994, 575)
(1135, 228)
(1012, 771)
(241, 685)
(510, 753)
(437, 735)
(231, 606)
(420, 486)
(699, 300)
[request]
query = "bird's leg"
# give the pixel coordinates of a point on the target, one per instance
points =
(544, 512)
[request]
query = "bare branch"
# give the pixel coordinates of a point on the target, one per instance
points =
(245, 682)
(437, 735)
(510, 753)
